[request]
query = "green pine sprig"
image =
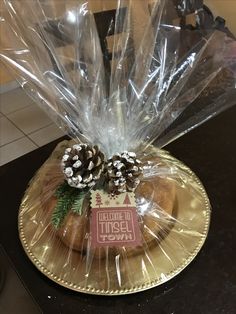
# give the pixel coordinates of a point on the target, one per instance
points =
(77, 205)
(61, 210)
(62, 189)
(68, 198)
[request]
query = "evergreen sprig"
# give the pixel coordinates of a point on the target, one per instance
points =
(62, 189)
(68, 198)
(77, 204)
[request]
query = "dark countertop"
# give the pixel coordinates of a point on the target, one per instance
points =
(207, 285)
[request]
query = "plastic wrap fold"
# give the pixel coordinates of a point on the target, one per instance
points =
(122, 75)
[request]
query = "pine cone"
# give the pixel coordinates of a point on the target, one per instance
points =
(123, 171)
(82, 165)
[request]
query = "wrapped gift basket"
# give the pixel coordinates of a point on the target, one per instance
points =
(111, 212)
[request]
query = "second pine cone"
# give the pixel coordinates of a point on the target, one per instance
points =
(123, 171)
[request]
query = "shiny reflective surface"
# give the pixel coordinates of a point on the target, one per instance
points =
(211, 273)
(156, 81)
(127, 274)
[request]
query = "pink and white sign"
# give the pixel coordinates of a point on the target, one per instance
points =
(114, 220)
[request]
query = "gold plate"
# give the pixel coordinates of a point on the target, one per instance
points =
(67, 268)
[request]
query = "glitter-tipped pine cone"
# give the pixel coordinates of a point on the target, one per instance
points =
(123, 172)
(82, 165)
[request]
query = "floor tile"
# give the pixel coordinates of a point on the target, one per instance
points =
(46, 135)
(30, 119)
(8, 132)
(14, 100)
(15, 149)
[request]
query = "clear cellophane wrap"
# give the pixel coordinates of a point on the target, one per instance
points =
(125, 76)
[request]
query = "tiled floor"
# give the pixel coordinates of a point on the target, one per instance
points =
(23, 126)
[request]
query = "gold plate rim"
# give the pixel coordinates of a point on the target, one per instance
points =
(131, 290)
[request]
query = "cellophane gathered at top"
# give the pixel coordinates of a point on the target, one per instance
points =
(123, 79)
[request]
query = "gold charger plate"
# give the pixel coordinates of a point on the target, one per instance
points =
(137, 273)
